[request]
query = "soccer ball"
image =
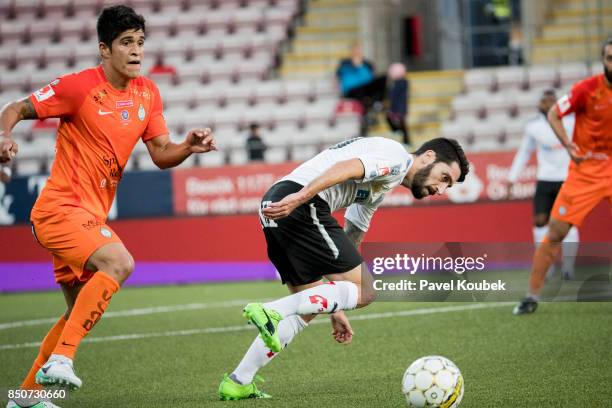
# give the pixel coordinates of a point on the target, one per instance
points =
(433, 381)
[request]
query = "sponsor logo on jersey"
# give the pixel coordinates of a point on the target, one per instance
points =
(54, 83)
(564, 104)
(124, 104)
(44, 93)
(125, 115)
(362, 195)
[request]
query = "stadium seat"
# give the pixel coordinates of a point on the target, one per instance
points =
(274, 155)
(570, 73)
(238, 157)
(302, 153)
(479, 80)
(513, 77)
(542, 76)
(487, 130)
(471, 104)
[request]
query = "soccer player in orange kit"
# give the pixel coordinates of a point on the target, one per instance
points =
(104, 111)
(590, 175)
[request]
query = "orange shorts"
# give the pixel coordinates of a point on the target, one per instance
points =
(72, 235)
(579, 195)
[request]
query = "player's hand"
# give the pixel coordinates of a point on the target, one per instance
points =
(574, 151)
(284, 207)
(342, 331)
(201, 140)
(8, 149)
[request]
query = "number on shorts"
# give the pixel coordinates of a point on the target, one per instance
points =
(266, 222)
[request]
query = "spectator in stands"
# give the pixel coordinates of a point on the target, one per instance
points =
(357, 80)
(254, 144)
(398, 101)
(161, 68)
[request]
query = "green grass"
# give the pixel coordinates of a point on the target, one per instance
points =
(558, 357)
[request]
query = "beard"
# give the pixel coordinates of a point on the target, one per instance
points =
(418, 188)
(608, 74)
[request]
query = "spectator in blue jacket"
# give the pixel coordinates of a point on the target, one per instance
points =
(357, 80)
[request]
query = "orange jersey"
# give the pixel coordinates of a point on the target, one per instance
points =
(99, 127)
(591, 101)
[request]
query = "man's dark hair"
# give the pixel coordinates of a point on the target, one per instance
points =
(116, 19)
(549, 92)
(603, 49)
(447, 151)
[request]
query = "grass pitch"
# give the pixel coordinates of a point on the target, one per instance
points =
(169, 347)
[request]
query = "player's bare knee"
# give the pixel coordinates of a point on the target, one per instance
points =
(124, 268)
(119, 266)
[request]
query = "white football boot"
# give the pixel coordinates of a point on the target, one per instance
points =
(58, 371)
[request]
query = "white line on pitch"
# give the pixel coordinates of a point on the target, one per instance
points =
(133, 312)
(226, 329)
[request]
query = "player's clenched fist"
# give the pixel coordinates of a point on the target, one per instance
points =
(201, 140)
(8, 149)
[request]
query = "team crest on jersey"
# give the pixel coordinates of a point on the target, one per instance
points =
(141, 112)
(105, 232)
(125, 115)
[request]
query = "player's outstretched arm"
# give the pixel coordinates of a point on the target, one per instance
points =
(351, 169)
(10, 115)
(166, 154)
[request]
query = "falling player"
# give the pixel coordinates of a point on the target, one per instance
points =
(306, 244)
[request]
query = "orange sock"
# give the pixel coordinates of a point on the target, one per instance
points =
(544, 257)
(47, 346)
(90, 304)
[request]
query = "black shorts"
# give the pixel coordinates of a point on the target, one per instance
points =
(309, 243)
(545, 195)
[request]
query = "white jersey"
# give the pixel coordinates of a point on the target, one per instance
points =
(385, 162)
(553, 159)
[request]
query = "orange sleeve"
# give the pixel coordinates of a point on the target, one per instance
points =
(574, 101)
(157, 122)
(62, 97)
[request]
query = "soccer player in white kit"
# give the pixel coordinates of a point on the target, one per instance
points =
(553, 163)
(306, 244)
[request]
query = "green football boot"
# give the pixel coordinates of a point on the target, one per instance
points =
(266, 321)
(231, 390)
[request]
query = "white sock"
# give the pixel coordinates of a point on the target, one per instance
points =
(570, 250)
(326, 298)
(258, 355)
(539, 233)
